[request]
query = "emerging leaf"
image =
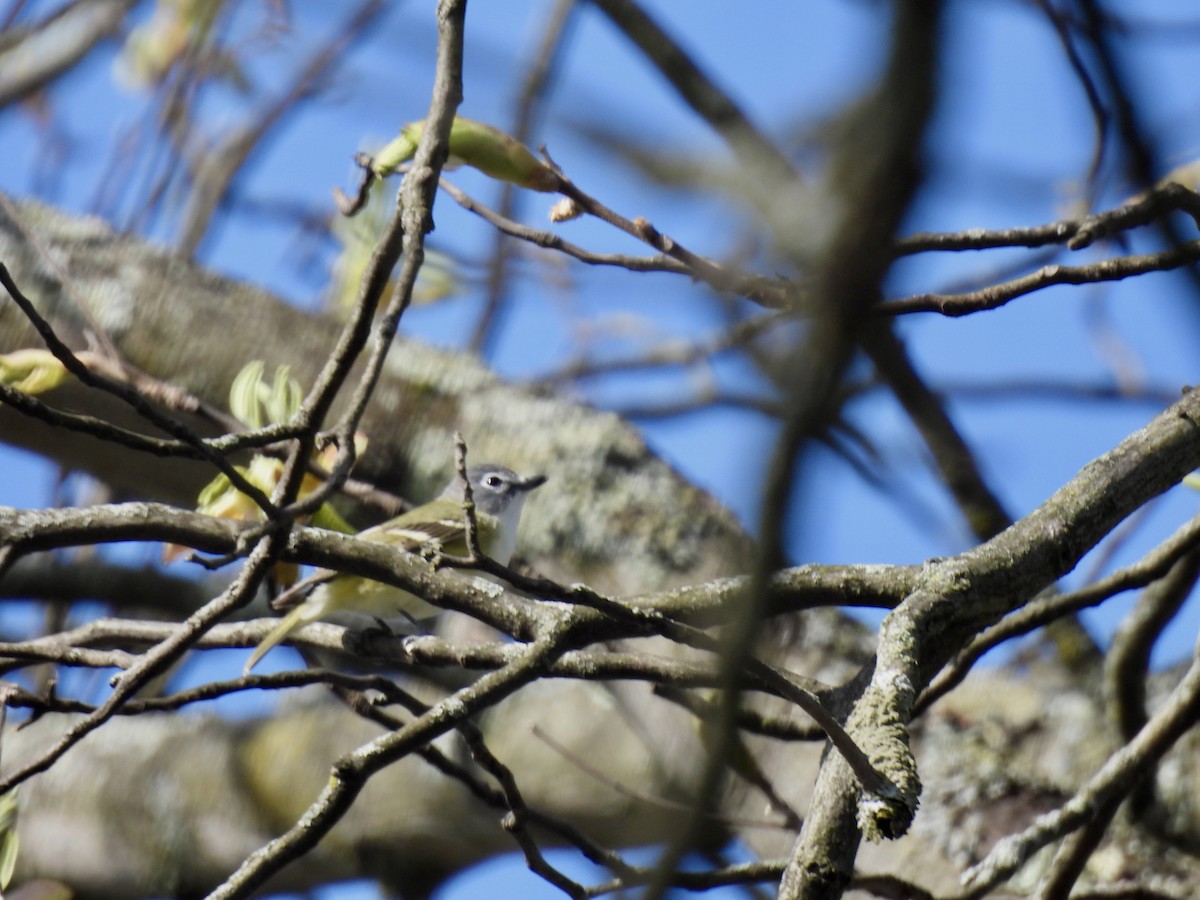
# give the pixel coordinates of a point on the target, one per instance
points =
(479, 146)
(243, 394)
(255, 404)
(32, 371)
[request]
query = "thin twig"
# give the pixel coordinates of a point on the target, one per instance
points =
(351, 772)
(131, 397)
(1073, 233)
(1153, 566)
(640, 796)
(1127, 666)
(997, 295)
(470, 520)
(158, 659)
(1123, 770)
(720, 278)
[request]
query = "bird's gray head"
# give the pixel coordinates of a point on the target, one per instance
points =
(496, 488)
(498, 492)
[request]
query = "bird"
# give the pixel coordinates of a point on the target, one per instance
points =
(439, 525)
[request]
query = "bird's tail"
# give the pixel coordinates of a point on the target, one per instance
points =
(302, 615)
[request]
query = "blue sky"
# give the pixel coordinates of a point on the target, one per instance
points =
(1011, 140)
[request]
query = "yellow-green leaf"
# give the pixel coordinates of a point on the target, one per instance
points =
(397, 152)
(254, 404)
(285, 397)
(243, 394)
(32, 371)
(478, 145)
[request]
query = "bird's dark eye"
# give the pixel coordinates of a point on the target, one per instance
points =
(493, 481)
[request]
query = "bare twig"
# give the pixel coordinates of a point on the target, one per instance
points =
(720, 278)
(592, 772)
(157, 660)
(997, 295)
(1116, 778)
(1127, 666)
(130, 396)
(1153, 566)
(1074, 233)
(351, 772)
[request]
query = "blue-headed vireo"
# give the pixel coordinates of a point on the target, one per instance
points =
(439, 525)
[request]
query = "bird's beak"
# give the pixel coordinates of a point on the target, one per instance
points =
(533, 481)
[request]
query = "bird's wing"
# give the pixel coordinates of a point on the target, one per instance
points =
(430, 535)
(395, 533)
